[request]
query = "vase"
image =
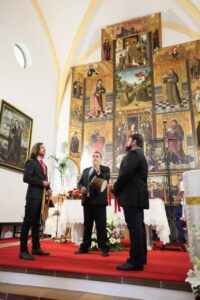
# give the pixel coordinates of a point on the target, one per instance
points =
(197, 297)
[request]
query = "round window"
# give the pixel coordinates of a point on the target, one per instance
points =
(22, 55)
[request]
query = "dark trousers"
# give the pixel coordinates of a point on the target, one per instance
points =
(31, 219)
(180, 228)
(97, 214)
(134, 218)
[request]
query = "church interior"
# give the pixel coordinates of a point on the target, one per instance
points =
(80, 78)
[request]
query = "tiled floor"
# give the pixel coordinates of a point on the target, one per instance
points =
(18, 292)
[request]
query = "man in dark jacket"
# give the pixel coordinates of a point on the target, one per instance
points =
(132, 193)
(36, 176)
(94, 205)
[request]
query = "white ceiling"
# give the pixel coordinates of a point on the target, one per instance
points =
(63, 18)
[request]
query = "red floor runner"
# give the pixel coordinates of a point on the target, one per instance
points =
(162, 265)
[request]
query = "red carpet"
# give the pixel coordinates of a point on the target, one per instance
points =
(162, 265)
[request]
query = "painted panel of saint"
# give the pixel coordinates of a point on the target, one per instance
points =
(132, 52)
(76, 117)
(75, 140)
(133, 89)
(150, 23)
(98, 100)
(157, 187)
(171, 86)
(127, 123)
(98, 137)
(178, 140)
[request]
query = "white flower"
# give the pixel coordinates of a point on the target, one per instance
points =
(193, 277)
(112, 240)
(93, 244)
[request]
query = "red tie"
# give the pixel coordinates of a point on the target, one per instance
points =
(43, 167)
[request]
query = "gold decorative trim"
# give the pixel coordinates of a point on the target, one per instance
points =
(192, 200)
(48, 34)
(76, 42)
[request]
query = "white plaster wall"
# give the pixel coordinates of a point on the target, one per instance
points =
(32, 90)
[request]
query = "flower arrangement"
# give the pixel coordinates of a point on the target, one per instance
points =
(74, 194)
(194, 275)
(113, 238)
(194, 278)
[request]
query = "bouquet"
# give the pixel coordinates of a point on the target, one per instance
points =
(113, 238)
(74, 194)
(194, 278)
(194, 275)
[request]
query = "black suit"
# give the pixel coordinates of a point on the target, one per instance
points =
(94, 208)
(34, 176)
(131, 190)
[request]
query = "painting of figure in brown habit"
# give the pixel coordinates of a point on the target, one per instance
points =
(133, 89)
(195, 68)
(132, 52)
(171, 86)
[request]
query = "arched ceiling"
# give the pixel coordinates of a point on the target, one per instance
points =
(73, 28)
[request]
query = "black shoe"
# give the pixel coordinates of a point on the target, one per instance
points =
(39, 251)
(143, 262)
(81, 251)
(104, 253)
(26, 255)
(129, 267)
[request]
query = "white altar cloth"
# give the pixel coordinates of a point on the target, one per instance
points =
(72, 216)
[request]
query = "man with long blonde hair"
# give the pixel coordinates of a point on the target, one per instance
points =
(35, 175)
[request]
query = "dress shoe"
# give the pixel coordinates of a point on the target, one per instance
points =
(80, 251)
(104, 253)
(39, 251)
(143, 262)
(129, 267)
(26, 255)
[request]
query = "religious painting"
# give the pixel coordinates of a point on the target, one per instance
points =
(98, 137)
(197, 133)
(98, 98)
(133, 51)
(77, 82)
(133, 89)
(165, 187)
(175, 188)
(127, 123)
(75, 140)
(76, 117)
(171, 86)
(155, 155)
(77, 92)
(151, 23)
(176, 130)
(15, 137)
(194, 66)
(157, 187)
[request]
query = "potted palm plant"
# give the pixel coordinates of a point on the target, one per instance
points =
(61, 164)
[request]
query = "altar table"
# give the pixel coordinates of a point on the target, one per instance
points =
(71, 216)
